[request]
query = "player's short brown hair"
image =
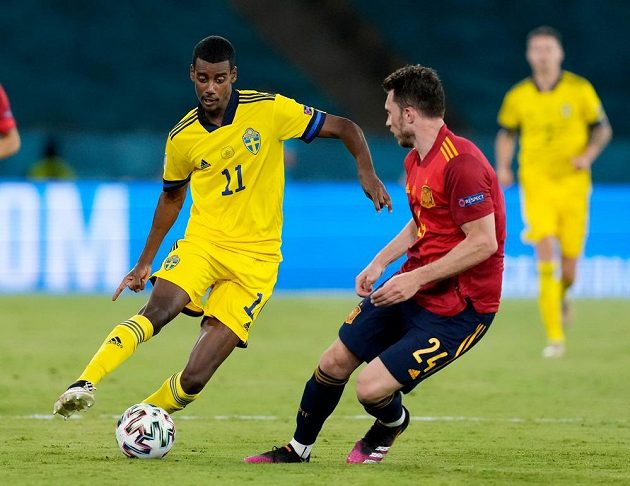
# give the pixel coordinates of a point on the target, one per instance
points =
(544, 30)
(419, 87)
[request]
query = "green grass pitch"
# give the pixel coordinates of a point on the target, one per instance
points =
(499, 415)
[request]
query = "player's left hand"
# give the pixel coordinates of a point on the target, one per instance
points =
(397, 289)
(375, 190)
(582, 162)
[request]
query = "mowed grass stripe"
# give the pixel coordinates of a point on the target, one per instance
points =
(500, 414)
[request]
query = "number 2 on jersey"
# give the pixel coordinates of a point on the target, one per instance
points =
(239, 181)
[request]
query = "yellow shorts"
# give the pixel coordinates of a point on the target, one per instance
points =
(556, 208)
(239, 285)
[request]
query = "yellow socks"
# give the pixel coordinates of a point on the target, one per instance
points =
(550, 301)
(117, 347)
(171, 396)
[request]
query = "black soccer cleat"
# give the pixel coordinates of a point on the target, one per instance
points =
(376, 443)
(284, 454)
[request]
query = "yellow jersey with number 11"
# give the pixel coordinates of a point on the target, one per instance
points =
(236, 171)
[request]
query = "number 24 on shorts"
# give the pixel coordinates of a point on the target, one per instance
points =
(431, 362)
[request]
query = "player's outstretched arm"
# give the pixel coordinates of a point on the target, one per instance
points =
(166, 212)
(353, 138)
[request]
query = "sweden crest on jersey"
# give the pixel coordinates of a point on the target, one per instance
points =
(251, 140)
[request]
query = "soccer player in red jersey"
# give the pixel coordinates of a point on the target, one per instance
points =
(442, 300)
(9, 136)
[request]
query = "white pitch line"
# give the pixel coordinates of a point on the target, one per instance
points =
(263, 418)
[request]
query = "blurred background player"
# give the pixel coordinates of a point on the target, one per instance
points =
(562, 128)
(51, 165)
(443, 299)
(229, 149)
(9, 135)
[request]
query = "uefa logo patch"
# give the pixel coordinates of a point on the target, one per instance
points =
(171, 262)
(251, 140)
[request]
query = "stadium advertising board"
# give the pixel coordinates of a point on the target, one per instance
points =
(83, 237)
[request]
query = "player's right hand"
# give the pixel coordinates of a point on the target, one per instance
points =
(135, 280)
(364, 283)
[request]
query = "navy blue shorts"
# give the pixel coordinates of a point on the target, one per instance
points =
(412, 342)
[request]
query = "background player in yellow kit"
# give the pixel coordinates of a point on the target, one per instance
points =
(562, 128)
(229, 150)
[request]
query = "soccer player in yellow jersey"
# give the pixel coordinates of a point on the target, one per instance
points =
(229, 151)
(562, 128)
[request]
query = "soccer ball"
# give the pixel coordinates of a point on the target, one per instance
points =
(145, 431)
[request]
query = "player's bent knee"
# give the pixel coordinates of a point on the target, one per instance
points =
(375, 383)
(338, 362)
(368, 391)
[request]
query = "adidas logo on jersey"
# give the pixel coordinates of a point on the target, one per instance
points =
(115, 341)
(413, 373)
(204, 165)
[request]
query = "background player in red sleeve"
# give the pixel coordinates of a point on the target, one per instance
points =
(443, 299)
(9, 136)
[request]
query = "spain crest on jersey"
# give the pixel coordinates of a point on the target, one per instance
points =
(251, 140)
(427, 200)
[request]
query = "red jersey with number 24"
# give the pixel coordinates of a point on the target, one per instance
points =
(453, 185)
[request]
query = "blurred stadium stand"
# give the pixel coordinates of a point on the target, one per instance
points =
(110, 79)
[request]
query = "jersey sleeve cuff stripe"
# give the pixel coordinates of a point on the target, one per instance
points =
(171, 185)
(314, 126)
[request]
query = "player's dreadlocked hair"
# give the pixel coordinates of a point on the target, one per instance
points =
(419, 87)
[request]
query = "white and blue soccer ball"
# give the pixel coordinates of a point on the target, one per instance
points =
(145, 431)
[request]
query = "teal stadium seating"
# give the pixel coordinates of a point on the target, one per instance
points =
(110, 78)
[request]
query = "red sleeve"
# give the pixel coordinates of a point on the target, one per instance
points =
(468, 181)
(7, 122)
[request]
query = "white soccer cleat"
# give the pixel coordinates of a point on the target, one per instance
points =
(553, 351)
(78, 398)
